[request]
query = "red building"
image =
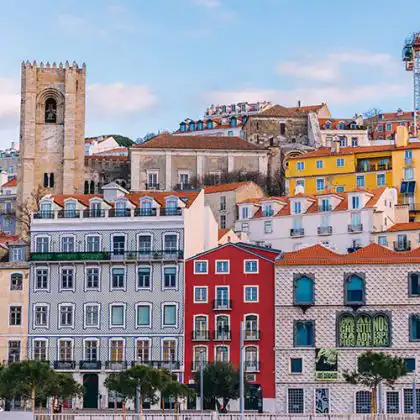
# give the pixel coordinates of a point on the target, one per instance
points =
(224, 286)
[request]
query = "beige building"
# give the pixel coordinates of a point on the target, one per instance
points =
(52, 128)
(330, 308)
(400, 237)
(223, 199)
(166, 162)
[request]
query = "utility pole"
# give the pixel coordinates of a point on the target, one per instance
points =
(139, 404)
(241, 372)
(201, 381)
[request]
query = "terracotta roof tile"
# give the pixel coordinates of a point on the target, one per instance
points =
(404, 226)
(81, 198)
(107, 157)
(11, 183)
(197, 142)
(160, 196)
(222, 232)
(224, 187)
(335, 121)
(278, 111)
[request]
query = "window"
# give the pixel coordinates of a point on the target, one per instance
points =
(339, 189)
(200, 267)
(354, 290)
(143, 350)
(354, 141)
(145, 244)
(40, 350)
(300, 166)
(414, 327)
(222, 328)
(50, 111)
(392, 402)
(15, 315)
(117, 350)
(342, 139)
(250, 266)
(380, 128)
(297, 207)
(42, 244)
(171, 243)
(414, 284)
(325, 205)
(295, 404)
(143, 280)
(319, 164)
(408, 187)
(169, 277)
(18, 253)
(268, 226)
(251, 327)
(118, 245)
(250, 294)
(118, 277)
(66, 316)
(223, 203)
(91, 350)
(13, 351)
(383, 240)
(41, 316)
(222, 297)
(340, 163)
(200, 294)
(222, 221)
(408, 400)
(296, 365)
(168, 350)
(245, 227)
(380, 179)
(360, 181)
(67, 244)
(92, 244)
(65, 350)
(143, 316)
(320, 184)
(67, 276)
(92, 315)
(169, 315)
(363, 402)
(16, 281)
(92, 278)
(410, 364)
(117, 315)
(268, 210)
(408, 174)
(251, 359)
(304, 291)
(222, 267)
(184, 179)
(153, 179)
(244, 212)
(304, 333)
(388, 127)
(355, 202)
(200, 328)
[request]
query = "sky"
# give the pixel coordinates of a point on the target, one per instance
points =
(153, 63)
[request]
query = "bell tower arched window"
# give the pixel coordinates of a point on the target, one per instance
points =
(51, 111)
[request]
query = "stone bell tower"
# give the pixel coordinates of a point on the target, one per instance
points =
(52, 128)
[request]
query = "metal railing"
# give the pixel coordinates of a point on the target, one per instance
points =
(119, 213)
(68, 214)
(64, 364)
(373, 168)
(200, 335)
(222, 304)
(115, 365)
(251, 334)
(324, 230)
(159, 364)
(325, 208)
(90, 365)
(251, 366)
(402, 246)
(152, 186)
(145, 212)
(297, 232)
(355, 228)
(221, 335)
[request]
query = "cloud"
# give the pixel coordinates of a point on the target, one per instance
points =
(118, 99)
(331, 67)
(211, 4)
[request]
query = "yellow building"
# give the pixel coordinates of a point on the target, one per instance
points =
(345, 169)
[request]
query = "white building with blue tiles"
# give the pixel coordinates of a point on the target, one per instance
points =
(107, 281)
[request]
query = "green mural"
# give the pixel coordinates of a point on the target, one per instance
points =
(363, 330)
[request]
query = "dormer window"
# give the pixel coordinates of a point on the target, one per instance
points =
(70, 209)
(192, 126)
(233, 122)
(120, 209)
(325, 205)
(95, 209)
(340, 125)
(327, 125)
(46, 210)
(244, 213)
(182, 127)
(210, 124)
(146, 208)
(171, 207)
(355, 202)
(268, 210)
(199, 125)
(297, 207)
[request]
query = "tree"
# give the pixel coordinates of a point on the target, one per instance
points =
(371, 119)
(173, 389)
(123, 385)
(374, 368)
(221, 381)
(62, 385)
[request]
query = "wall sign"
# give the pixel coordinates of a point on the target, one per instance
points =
(326, 363)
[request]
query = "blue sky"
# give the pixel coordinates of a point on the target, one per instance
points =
(150, 64)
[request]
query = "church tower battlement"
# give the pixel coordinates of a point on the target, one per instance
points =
(52, 128)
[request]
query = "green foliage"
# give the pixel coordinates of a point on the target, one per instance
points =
(374, 368)
(122, 140)
(63, 385)
(122, 384)
(221, 380)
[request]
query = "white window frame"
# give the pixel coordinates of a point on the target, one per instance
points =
(222, 272)
(150, 305)
(15, 305)
(139, 235)
(111, 305)
(152, 172)
(163, 287)
(221, 345)
(58, 347)
(302, 164)
(162, 312)
(136, 345)
(36, 305)
(316, 184)
(252, 272)
(268, 226)
(85, 305)
(340, 160)
(377, 177)
(98, 347)
(175, 347)
(94, 289)
(47, 348)
(207, 294)
(258, 293)
(206, 355)
(110, 340)
(45, 267)
(23, 281)
(319, 164)
(245, 227)
(124, 288)
(201, 272)
(167, 234)
(67, 267)
(42, 236)
(73, 320)
(140, 265)
(93, 236)
(247, 210)
(67, 235)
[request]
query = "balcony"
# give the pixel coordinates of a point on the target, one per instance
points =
(44, 214)
(295, 233)
(158, 364)
(93, 213)
(200, 335)
(408, 161)
(251, 335)
(374, 167)
(68, 214)
(251, 366)
(324, 230)
(355, 228)
(196, 364)
(184, 187)
(119, 213)
(222, 335)
(115, 365)
(402, 246)
(325, 208)
(153, 186)
(90, 365)
(169, 211)
(145, 212)
(64, 364)
(222, 304)
(172, 255)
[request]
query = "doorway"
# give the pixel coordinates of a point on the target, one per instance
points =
(90, 390)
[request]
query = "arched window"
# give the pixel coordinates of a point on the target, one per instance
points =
(45, 180)
(251, 359)
(50, 111)
(222, 328)
(51, 180)
(354, 290)
(86, 187)
(222, 354)
(251, 327)
(363, 402)
(200, 328)
(92, 187)
(16, 281)
(304, 291)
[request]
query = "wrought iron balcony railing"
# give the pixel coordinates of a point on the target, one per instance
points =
(115, 365)
(402, 246)
(297, 232)
(355, 228)
(64, 364)
(324, 230)
(200, 335)
(222, 304)
(90, 365)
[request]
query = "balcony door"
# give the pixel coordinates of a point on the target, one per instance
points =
(222, 327)
(118, 245)
(222, 297)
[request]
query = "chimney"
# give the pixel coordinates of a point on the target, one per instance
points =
(299, 103)
(337, 146)
(13, 145)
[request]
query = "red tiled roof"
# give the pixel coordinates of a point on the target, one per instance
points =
(404, 226)
(224, 187)
(11, 183)
(197, 142)
(160, 196)
(327, 151)
(82, 198)
(109, 157)
(261, 199)
(335, 121)
(278, 111)
(5, 238)
(222, 232)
